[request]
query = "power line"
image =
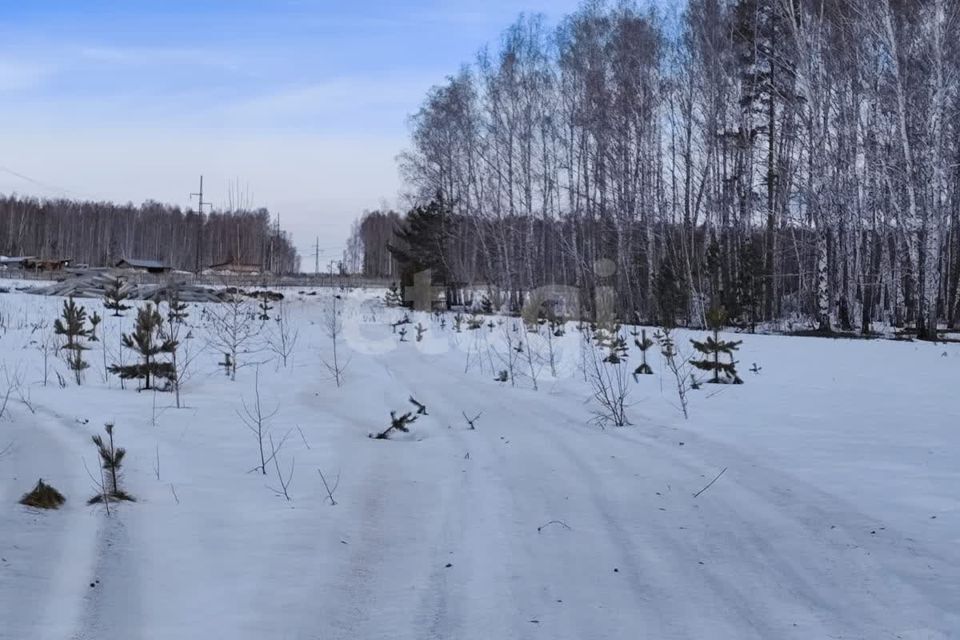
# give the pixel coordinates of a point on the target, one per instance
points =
(44, 185)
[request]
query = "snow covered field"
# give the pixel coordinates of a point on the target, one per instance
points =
(838, 515)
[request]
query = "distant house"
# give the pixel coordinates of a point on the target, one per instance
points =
(16, 262)
(44, 264)
(233, 266)
(136, 264)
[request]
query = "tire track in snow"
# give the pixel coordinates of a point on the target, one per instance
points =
(537, 591)
(63, 555)
(751, 530)
(474, 597)
(390, 567)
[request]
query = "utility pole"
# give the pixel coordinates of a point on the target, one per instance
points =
(200, 226)
(316, 268)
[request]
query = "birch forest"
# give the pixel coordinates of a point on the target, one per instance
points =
(789, 160)
(102, 233)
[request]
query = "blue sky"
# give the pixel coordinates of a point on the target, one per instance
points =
(305, 102)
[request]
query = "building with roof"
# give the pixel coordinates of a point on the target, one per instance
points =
(138, 264)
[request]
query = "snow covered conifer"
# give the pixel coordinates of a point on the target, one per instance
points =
(607, 336)
(713, 347)
(114, 295)
(72, 325)
(148, 342)
(393, 297)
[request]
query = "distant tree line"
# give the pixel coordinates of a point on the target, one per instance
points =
(775, 157)
(367, 249)
(102, 233)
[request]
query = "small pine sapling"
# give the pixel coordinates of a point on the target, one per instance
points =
(264, 307)
(95, 321)
(111, 459)
(420, 331)
(149, 341)
(458, 322)
(713, 347)
(643, 343)
(72, 326)
(177, 310)
(226, 363)
(393, 297)
(403, 335)
(486, 306)
(114, 296)
(609, 338)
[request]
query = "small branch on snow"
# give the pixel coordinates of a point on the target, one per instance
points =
(697, 494)
(330, 491)
(472, 421)
(559, 522)
(174, 491)
(303, 437)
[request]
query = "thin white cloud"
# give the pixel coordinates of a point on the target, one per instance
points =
(148, 56)
(338, 95)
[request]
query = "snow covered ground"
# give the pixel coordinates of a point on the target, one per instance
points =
(838, 515)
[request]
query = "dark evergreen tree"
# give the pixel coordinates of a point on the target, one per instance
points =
(421, 242)
(713, 347)
(72, 325)
(750, 283)
(114, 295)
(148, 342)
(671, 294)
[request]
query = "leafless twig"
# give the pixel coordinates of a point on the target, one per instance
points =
(330, 491)
(558, 522)
(472, 421)
(697, 494)
(284, 482)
